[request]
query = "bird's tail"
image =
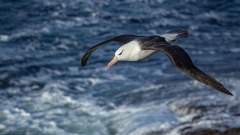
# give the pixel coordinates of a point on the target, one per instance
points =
(173, 35)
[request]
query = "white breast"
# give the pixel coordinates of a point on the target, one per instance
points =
(146, 53)
(135, 53)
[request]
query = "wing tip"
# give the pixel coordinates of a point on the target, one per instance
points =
(83, 63)
(228, 93)
(224, 90)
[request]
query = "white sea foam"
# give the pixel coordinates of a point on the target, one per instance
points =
(142, 89)
(235, 50)
(140, 120)
(4, 38)
(2, 127)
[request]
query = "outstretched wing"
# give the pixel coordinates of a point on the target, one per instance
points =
(182, 61)
(123, 39)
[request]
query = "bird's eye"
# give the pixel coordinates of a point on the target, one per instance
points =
(120, 53)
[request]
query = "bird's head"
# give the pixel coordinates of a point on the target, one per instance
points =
(120, 55)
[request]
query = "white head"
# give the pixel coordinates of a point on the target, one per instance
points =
(128, 52)
(120, 55)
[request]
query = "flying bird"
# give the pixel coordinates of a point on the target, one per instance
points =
(136, 48)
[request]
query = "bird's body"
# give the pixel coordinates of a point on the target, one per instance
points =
(136, 48)
(135, 52)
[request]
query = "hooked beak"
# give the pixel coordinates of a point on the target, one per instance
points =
(114, 60)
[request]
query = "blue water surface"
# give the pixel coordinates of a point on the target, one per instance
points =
(43, 89)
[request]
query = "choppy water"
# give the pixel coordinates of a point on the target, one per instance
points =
(43, 89)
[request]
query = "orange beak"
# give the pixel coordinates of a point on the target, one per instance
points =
(114, 60)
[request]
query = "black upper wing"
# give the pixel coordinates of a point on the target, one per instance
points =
(182, 61)
(123, 39)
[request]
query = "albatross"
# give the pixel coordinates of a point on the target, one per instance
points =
(136, 48)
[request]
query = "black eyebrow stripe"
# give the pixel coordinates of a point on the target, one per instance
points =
(121, 52)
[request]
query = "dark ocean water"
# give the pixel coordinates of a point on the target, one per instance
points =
(43, 89)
